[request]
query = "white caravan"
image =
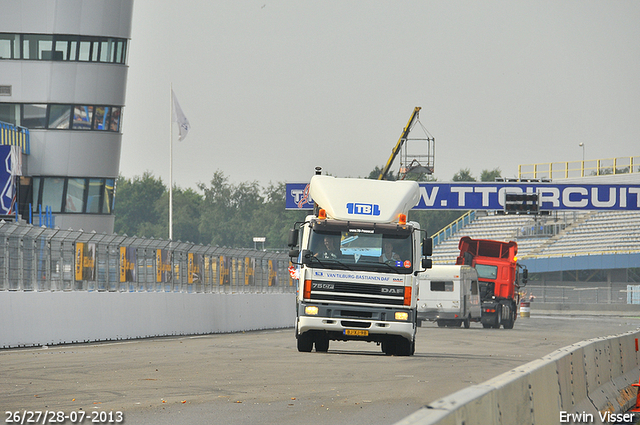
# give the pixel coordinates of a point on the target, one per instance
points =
(448, 294)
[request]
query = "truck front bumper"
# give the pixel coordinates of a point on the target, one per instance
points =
(338, 326)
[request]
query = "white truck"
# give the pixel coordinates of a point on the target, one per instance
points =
(449, 295)
(357, 260)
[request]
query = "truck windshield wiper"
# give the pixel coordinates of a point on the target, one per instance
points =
(330, 261)
(394, 269)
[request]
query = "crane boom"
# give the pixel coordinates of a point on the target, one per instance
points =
(398, 146)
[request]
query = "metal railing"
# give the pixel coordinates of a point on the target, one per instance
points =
(445, 233)
(572, 169)
(15, 136)
(44, 259)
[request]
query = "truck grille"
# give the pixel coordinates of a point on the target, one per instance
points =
(359, 293)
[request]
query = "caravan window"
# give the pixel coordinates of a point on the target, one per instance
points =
(442, 286)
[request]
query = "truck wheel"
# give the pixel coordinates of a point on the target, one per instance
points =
(305, 343)
(498, 322)
(389, 347)
(404, 347)
(467, 322)
(440, 323)
(509, 323)
(322, 344)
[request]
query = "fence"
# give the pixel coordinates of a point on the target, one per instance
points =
(44, 259)
(572, 169)
(604, 293)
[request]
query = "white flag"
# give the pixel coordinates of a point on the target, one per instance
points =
(178, 116)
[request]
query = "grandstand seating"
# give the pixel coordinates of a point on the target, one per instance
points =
(550, 236)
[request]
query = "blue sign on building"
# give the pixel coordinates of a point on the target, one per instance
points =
(8, 172)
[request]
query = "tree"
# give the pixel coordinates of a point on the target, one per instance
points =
(187, 207)
(135, 212)
(464, 175)
(490, 176)
(375, 173)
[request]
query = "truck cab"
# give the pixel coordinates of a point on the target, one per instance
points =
(357, 261)
(497, 267)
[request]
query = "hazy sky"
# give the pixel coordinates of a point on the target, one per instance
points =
(274, 88)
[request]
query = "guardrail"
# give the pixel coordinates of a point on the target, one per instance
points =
(44, 259)
(585, 293)
(571, 169)
(448, 231)
(585, 382)
(15, 136)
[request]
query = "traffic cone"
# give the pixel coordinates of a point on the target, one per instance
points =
(637, 408)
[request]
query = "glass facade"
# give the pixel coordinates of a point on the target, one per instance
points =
(62, 47)
(62, 117)
(71, 195)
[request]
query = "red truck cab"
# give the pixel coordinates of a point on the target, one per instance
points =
(496, 264)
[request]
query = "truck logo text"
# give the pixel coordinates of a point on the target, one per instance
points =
(391, 290)
(329, 286)
(363, 209)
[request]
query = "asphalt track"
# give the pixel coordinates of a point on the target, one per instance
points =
(260, 377)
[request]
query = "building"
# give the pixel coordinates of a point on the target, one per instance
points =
(63, 75)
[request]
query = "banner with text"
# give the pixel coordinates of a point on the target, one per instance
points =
(491, 196)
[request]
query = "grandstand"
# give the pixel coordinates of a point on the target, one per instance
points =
(605, 243)
(548, 236)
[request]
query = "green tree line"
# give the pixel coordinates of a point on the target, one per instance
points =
(227, 214)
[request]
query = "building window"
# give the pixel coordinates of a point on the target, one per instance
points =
(59, 117)
(115, 119)
(74, 201)
(109, 191)
(101, 118)
(93, 197)
(82, 117)
(63, 47)
(73, 195)
(9, 113)
(52, 191)
(34, 116)
(9, 46)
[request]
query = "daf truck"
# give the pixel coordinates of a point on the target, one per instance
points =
(357, 261)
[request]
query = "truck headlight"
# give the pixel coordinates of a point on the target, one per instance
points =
(311, 310)
(402, 315)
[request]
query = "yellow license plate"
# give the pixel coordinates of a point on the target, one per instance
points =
(356, 332)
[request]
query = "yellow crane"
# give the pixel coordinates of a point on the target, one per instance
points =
(415, 163)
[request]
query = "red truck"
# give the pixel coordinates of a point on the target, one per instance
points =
(498, 276)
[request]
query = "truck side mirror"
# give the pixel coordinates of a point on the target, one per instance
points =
(427, 247)
(306, 256)
(293, 253)
(293, 238)
(427, 263)
(525, 276)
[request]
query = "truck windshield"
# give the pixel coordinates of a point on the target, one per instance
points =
(376, 249)
(487, 272)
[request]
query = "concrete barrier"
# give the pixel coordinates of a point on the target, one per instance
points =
(47, 318)
(585, 379)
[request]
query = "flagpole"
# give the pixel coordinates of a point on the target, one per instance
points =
(171, 164)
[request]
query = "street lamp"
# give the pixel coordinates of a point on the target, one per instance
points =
(582, 146)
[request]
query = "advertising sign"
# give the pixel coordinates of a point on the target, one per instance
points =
(491, 196)
(85, 261)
